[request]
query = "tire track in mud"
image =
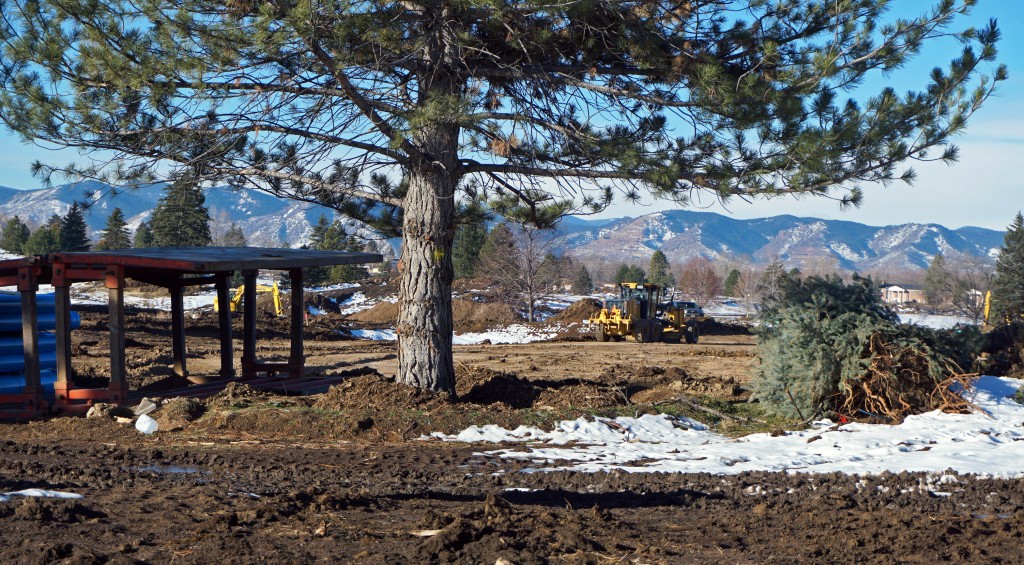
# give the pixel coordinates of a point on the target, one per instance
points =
(157, 500)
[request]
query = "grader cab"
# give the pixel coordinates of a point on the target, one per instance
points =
(639, 313)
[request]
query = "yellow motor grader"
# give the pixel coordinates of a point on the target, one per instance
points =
(639, 313)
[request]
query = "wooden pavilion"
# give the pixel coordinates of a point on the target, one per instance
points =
(173, 268)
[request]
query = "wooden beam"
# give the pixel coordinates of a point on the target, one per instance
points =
(227, 356)
(62, 299)
(249, 325)
(114, 281)
(178, 331)
(30, 331)
(296, 357)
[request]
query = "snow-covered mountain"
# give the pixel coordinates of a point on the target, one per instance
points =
(804, 242)
(266, 220)
(680, 234)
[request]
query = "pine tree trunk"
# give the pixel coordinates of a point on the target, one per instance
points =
(425, 294)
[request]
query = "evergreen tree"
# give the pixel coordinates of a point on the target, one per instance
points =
(258, 93)
(936, 281)
(331, 236)
(234, 237)
(15, 234)
(498, 253)
(1008, 287)
(73, 234)
(115, 235)
(469, 240)
(181, 217)
(630, 273)
(143, 236)
(732, 283)
(582, 283)
(659, 271)
(348, 273)
(45, 239)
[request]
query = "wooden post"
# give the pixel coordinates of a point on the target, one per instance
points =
(296, 358)
(62, 300)
(114, 281)
(178, 331)
(29, 330)
(227, 356)
(249, 325)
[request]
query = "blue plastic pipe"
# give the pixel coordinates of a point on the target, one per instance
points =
(46, 321)
(13, 345)
(16, 363)
(15, 384)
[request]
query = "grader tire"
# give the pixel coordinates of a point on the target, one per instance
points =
(656, 336)
(692, 333)
(640, 331)
(600, 334)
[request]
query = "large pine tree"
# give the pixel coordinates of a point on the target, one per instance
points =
(16, 233)
(115, 235)
(234, 236)
(937, 281)
(46, 238)
(73, 231)
(331, 236)
(659, 271)
(1008, 287)
(469, 240)
(143, 236)
(181, 217)
(549, 106)
(582, 283)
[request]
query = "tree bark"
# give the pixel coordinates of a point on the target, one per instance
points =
(428, 230)
(425, 293)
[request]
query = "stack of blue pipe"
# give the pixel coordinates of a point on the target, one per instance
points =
(12, 348)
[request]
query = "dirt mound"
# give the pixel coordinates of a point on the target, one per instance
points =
(472, 316)
(580, 395)
(579, 310)
(711, 326)
(177, 413)
(323, 302)
(467, 315)
(375, 392)
(237, 394)
(382, 313)
(483, 386)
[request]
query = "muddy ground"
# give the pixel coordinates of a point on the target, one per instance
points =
(340, 477)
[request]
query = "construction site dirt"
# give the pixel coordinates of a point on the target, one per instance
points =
(345, 476)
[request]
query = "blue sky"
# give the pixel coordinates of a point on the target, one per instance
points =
(985, 188)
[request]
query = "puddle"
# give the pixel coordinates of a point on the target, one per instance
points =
(170, 469)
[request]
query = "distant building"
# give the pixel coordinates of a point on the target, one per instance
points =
(902, 293)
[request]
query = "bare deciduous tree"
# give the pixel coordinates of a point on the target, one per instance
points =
(699, 281)
(521, 262)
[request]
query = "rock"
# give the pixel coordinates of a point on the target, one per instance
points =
(109, 411)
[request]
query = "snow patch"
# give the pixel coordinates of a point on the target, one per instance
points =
(38, 493)
(988, 442)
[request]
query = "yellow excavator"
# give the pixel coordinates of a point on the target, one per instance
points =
(639, 313)
(236, 300)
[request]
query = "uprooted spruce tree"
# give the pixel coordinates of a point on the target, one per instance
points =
(398, 113)
(831, 348)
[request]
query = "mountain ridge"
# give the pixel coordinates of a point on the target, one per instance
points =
(805, 242)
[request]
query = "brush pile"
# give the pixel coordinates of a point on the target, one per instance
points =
(832, 349)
